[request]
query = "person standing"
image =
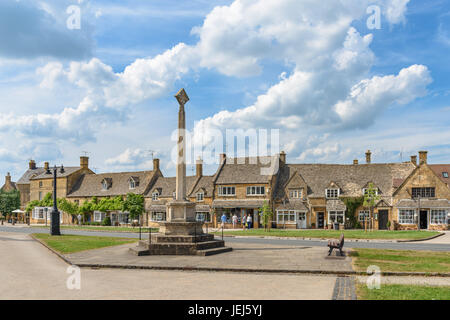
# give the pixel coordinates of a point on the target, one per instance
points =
(223, 219)
(234, 220)
(244, 222)
(249, 221)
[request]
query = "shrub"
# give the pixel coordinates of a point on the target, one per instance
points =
(106, 221)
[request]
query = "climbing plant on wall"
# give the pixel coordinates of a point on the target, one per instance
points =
(352, 204)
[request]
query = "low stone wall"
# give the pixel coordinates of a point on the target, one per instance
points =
(438, 227)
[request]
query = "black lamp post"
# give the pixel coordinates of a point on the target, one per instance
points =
(54, 226)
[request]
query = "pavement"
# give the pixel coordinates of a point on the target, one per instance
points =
(29, 270)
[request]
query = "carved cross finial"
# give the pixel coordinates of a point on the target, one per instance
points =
(182, 97)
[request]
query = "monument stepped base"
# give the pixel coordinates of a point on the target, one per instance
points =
(202, 245)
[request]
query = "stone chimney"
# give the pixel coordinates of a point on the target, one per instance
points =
(199, 167)
(84, 162)
(8, 179)
(32, 165)
(283, 157)
(414, 160)
(46, 165)
(155, 164)
(423, 157)
(355, 161)
(368, 157)
(223, 156)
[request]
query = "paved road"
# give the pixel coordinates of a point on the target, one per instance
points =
(30, 271)
(437, 245)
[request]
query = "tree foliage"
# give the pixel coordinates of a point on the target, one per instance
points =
(266, 215)
(134, 204)
(9, 201)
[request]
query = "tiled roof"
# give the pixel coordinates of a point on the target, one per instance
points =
(351, 178)
(206, 183)
(336, 205)
(25, 179)
(67, 171)
(245, 170)
(166, 186)
(440, 169)
(89, 185)
(13, 185)
(424, 203)
(293, 205)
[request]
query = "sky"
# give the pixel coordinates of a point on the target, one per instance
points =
(333, 78)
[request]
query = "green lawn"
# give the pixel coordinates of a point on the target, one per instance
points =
(400, 260)
(73, 243)
(403, 292)
(327, 234)
(103, 228)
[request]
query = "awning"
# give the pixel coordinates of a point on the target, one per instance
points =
(336, 205)
(424, 204)
(238, 203)
(202, 208)
(18, 211)
(157, 208)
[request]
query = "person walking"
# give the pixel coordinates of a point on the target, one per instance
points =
(244, 222)
(234, 220)
(249, 221)
(223, 219)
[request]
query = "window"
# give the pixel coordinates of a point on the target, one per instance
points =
(406, 216)
(332, 193)
(77, 202)
(158, 216)
(132, 184)
(202, 216)
(174, 195)
(104, 185)
(40, 184)
(363, 215)
(336, 216)
(295, 194)
(155, 196)
(99, 216)
(38, 213)
(40, 195)
(286, 217)
(438, 216)
(423, 192)
(227, 191)
(445, 174)
(200, 196)
(365, 190)
(255, 191)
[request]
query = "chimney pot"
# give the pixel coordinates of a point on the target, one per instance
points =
(46, 165)
(84, 162)
(199, 167)
(355, 161)
(423, 157)
(283, 157)
(32, 165)
(8, 177)
(368, 157)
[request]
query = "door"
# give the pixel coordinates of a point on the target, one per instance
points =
(423, 219)
(320, 220)
(301, 220)
(383, 217)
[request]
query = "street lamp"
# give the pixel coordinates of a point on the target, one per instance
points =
(54, 225)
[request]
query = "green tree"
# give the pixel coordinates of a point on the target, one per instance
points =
(9, 201)
(266, 215)
(371, 198)
(134, 204)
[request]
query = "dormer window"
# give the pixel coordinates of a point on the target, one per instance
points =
(132, 184)
(104, 184)
(366, 190)
(445, 174)
(295, 194)
(200, 196)
(155, 196)
(332, 193)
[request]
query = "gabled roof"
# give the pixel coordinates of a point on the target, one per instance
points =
(12, 185)
(25, 179)
(439, 169)
(89, 185)
(67, 172)
(166, 186)
(246, 170)
(350, 178)
(206, 184)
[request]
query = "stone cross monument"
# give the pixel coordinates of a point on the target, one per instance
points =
(181, 234)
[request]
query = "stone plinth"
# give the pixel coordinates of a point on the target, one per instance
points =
(181, 211)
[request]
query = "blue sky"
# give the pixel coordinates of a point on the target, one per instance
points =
(332, 86)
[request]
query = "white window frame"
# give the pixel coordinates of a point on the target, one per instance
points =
(336, 214)
(442, 216)
(132, 184)
(200, 196)
(256, 191)
(362, 213)
(155, 196)
(406, 220)
(364, 190)
(227, 191)
(295, 193)
(332, 193)
(445, 174)
(290, 214)
(99, 216)
(104, 185)
(157, 216)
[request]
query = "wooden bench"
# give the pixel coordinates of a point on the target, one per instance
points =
(336, 244)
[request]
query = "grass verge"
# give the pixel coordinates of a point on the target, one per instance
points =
(68, 243)
(349, 234)
(401, 260)
(402, 292)
(103, 228)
